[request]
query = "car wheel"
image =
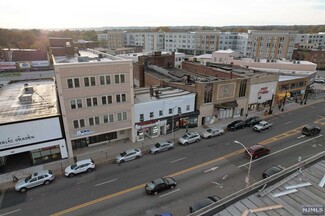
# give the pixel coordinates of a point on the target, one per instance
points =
(170, 148)
(185, 143)
(196, 140)
(172, 187)
(23, 190)
(137, 157)
(155, 193)
(71, 175)
(156, 152)
(89, 170)
(47, 182)
(122, 161)
(209, 137)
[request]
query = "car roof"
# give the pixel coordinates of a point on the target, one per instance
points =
(158, 181)
(257, 146)
(41, 172)
(274, 169)
(202, 203)
(310, 126)
(130, 150)
(84, 161)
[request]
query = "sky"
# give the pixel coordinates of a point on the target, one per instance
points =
(66, 14)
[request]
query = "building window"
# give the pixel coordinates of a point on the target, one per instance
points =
(141, 117)
(82, 123)
(170, 111)
(208, 93)
(70, 83)
(76, 82)
(91, 121)
(161, 113)
(75, 124)
(86, 80)
(97, 120)
(187, 107)
(119, 116)
(122, 76)
(105, 119)
(104, 100)
(151, 114)
(73, 104)
(124, 115)
(120, 98)
(111, 117)
(92, 81)
(88, 100)
(95, 102)
(105, 80)
(117, 79)
(79, 103)
(242, 88)
(78, 123)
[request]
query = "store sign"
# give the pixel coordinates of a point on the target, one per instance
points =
(40, 63)
(7, 65)
(24, 65)
(83, 132)
(263, 90)
(19, 134)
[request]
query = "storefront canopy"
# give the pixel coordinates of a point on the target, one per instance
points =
(227, 105)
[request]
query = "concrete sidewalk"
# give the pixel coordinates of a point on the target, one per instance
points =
(105, 153)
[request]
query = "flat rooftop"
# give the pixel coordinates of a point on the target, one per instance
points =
(142, 95)
(87, 55)
(43, 101)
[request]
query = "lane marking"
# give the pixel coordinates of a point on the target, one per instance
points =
(281, 150)
(8, 213)
(282, 136)
(211, 169)
(288, 122)
(92, 202)
(178, 160)
(105, 182)
(169, 193)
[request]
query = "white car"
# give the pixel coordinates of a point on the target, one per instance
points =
(318, 80)
(211, 132)
(39, 178)
(190, 137)
(81, 166)
(127, 155)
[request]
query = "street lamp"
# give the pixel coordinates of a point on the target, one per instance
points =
(247, 179)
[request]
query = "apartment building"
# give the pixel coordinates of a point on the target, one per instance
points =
(150, 41)
(311, 41)
(96, 97)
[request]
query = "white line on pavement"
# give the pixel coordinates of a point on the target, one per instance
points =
(169, 193)
(281, 150)
(8, 213)
(178, 160)
(105, 182)
(287, 122)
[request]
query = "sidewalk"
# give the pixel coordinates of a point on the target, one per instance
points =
(105, 153)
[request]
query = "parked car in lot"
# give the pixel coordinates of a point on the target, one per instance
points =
(160, 184)
(272, 170)
(203, 203)
(318, 80)
(39, 178)
(211, 132)
(251, 121)
(310, 130)
(257, 151)
(161, 146)
(238, 124)
(81, 166)
(128, 155)
(262, 125)
(188, 138)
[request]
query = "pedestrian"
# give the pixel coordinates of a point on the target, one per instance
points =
(186, 128)
(14, 178)
(246, 116)
(279, 106)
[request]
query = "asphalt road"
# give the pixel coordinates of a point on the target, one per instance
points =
(212, 167)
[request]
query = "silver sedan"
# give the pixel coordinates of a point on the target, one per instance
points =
(161, 146)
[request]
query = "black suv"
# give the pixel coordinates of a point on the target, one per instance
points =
(238, 124)
(310, 130)
(251, 121)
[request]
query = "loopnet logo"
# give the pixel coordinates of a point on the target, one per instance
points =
(313, 209)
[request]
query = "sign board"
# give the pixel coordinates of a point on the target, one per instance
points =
(7, 65)
(25, 133)
(40, 63)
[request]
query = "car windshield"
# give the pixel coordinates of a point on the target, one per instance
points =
(123, 154)
(73, 166)
(28, 178)
(157, 145)
(185, 136)
(209, 130)
(151, 185)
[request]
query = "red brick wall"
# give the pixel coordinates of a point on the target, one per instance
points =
(138, 73)
(151, 80)
(164, 61)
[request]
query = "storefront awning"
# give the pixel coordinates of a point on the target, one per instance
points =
(227, 105)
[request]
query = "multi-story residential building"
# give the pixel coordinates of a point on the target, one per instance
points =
(31, 132)
(159, 111)
(96, 97)
(112, 39)
(270, 44)
(311, 41)
(150, 41)
(227, 40)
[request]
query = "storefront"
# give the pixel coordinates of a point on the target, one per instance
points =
(150, 129)
(185, 120)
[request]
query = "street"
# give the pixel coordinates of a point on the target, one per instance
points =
(211, 167)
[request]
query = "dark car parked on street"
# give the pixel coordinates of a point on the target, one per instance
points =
(311, 130)
(160, 184)
(203, 203)
(257, 151)
(272, 171)
(238, 124)
(251, 121)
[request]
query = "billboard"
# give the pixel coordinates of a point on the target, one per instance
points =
(7, 65)
(25, 133)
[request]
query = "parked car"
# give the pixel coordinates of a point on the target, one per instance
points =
(161, 146)
(310, 130)
(272, 170)
(203, 203)
(164, 214)
(257, 151)
(318, 80)
(128, 155)
(39, 178)
(190, 137)
(262, 125)
(211, 132)
(251, 121)
(81, 166)
(238, 124)
(160, 184)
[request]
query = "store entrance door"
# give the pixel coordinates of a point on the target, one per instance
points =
(17, 161)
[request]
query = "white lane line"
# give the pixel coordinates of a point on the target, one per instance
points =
(287, 122)
(178, 160)
(8, 213)
(105, 182)
(169, 193)
(281, 150)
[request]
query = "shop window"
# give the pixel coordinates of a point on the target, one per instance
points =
(141, 117)
(151, 114)
(170, 111)
(161, 113)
